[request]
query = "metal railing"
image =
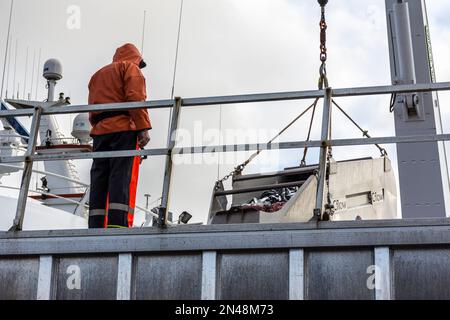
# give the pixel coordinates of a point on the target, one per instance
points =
(178, 104)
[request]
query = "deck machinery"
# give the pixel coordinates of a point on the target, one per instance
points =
(362, 189)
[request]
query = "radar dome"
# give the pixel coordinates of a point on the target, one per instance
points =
(53, 70)
(81, 128)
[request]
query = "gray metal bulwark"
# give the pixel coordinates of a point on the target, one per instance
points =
(341, 260)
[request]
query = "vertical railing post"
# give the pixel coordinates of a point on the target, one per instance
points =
(28, 170)
(326, 123)
(164, 210)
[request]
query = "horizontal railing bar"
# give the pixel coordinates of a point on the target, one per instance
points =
(390, 140)
(60, 110)
(379, 90)
(234, 148)
(16, 113)
(310, 144)
(260, 188)
(299, 95)
(236, 99)
(230, 148)
(86, 155)
(102, 155)
(110, 107)
(251, 98)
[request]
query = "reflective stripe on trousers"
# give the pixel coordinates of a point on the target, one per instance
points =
(112, 206)
(114, 182)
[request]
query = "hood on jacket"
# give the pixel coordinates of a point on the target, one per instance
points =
(128, 52)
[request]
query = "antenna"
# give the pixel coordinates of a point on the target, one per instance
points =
(15, 69)
(143, 32)
(9, 71)
(37, 74)
(177, 50)
(7, 47)
(26, 74)
(32, 75)
(176, 64)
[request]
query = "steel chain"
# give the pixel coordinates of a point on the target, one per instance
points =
(323, 83)
(323, 79)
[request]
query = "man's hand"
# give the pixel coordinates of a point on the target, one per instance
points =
(143, 138)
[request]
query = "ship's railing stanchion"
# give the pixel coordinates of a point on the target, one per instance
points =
(323, 160)
(164, 209)
(28, 171)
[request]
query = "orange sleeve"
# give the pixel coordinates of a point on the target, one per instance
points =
(90, 101)
(135, 90)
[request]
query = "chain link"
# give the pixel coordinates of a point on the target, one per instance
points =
(323, 37)
(323, 83)
(323, 79)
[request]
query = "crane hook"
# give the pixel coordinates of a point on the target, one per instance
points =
(322, 3)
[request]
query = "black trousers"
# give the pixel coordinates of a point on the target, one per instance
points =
(113, 182)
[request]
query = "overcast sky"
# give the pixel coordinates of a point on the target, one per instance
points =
(226, 47)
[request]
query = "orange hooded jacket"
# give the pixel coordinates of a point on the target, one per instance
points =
(120, 81)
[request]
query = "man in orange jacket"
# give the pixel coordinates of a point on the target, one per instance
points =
(114, 180)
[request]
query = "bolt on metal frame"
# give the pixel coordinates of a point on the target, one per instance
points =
(30, 157)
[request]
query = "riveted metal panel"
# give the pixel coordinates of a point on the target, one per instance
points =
(168, 277)
(86, 278)
(422, 274)
(253, 275)
(18, 278)
(339, 274)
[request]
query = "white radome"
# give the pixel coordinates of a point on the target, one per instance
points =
(53, 70)
(81, 128)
